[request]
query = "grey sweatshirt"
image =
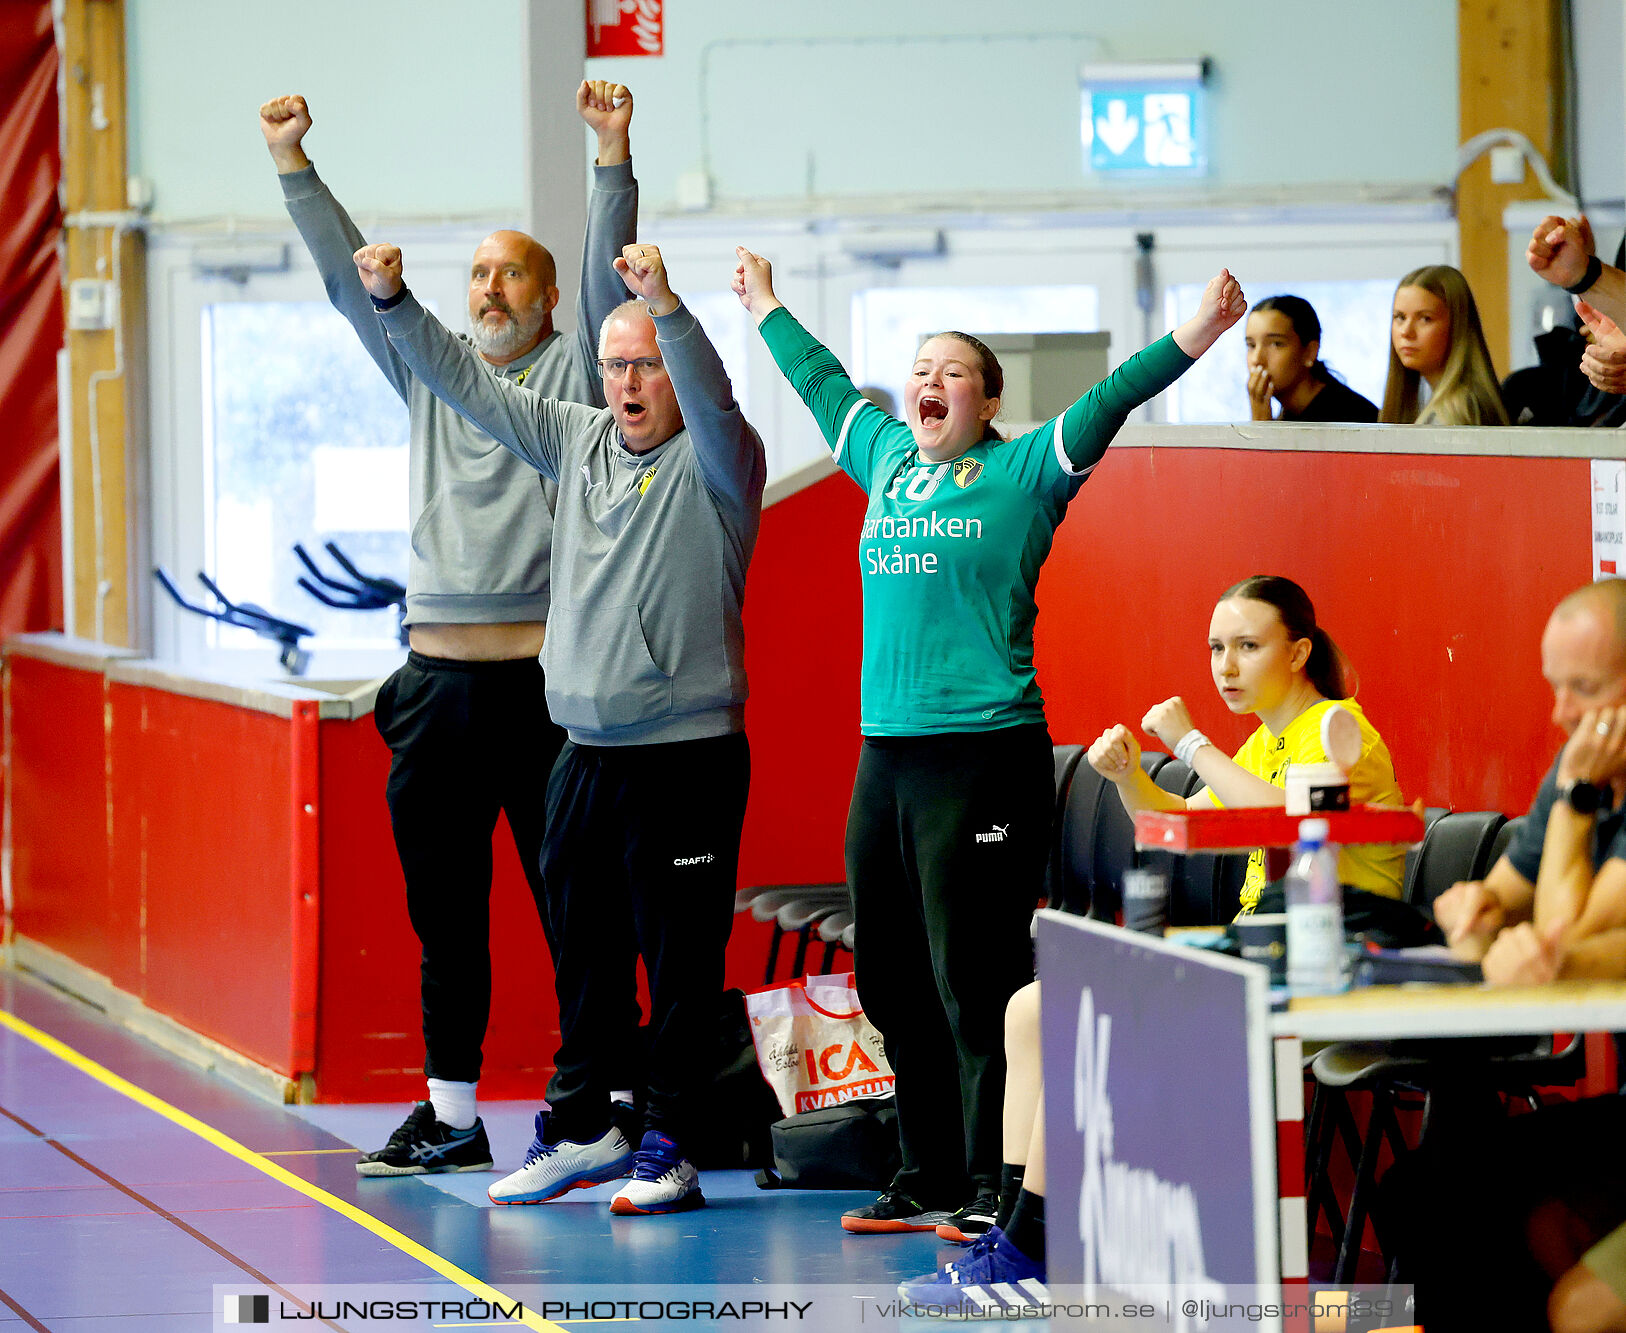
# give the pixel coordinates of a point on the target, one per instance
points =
(645, 643)
(481, 523)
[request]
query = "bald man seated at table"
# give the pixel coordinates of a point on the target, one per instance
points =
(1555, 904)
(1525, 1210)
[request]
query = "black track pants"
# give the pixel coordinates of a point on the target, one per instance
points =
(641, 856)
(947, 840)
(467, 740)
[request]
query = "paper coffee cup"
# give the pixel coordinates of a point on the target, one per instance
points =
(1314, 788)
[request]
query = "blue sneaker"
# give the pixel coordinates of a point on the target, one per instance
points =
(663, 1179)
(993, 1278)
(555, 1167)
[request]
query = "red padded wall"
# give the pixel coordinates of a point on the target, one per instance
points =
(201, 817)
(369, 1043)
(30, 322)
(1434, 573)
(802, 636)
(59, 818)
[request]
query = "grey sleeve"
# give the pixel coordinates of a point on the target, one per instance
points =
(612, 225)
(526, 423)
(333, 239)
(727, 450)
(1524, 851)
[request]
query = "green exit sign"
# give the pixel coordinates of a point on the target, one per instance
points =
(1145, 118)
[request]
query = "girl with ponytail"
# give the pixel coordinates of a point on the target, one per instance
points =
(1269, 658)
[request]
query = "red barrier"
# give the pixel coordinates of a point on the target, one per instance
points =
(1435, 574)
(163, 841)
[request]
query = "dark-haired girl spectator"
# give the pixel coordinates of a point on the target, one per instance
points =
(1435, 338)
(1269, 658)
(949, 828)
(1283, 338)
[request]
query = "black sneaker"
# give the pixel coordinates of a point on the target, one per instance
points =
(422, 1145)
(970, 1222)
(893, 1211)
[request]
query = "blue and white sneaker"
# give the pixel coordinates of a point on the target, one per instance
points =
(993, 1278)
(555, 1167)
(422, 1145)
(663, 1180)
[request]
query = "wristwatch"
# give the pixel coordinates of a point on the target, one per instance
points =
(1594, 270)
(1585, 798)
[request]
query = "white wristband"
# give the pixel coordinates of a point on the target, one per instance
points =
(1189, 744)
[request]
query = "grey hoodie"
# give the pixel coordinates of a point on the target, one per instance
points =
(481, 522)
(645, 643)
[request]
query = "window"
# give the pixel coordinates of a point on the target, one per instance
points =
(304, 441)
(271, 425)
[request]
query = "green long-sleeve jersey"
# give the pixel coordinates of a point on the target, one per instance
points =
(949, 553)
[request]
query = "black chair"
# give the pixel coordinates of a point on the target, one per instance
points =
(1458, 845)
(1074, 869)
(1504, 836)
(794, 909)
(1431, 815)
(801, 916)
(1114, 843)
(1205, 888)
(1188, 893)
(1067, 761)
(835, 931)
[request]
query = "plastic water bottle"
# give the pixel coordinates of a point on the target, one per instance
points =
(1315, 913)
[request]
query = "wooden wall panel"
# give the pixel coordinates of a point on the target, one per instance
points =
(1510, 76)
(105, 432)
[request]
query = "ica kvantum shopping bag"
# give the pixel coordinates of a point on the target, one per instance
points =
(814, 1045)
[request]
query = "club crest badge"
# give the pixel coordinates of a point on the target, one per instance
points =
(643, 481)
(966, 471)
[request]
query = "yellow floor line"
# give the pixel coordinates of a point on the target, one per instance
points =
(448, 1270)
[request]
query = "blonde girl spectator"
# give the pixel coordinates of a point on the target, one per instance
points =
(1435, 337)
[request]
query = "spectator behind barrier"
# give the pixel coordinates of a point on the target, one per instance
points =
(1283, 339)
(1556, 392)
(1435, 338)
(1268, 658)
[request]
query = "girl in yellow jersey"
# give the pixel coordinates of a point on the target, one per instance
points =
(1269, 658)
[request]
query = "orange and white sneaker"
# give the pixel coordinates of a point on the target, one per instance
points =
(663, 1180)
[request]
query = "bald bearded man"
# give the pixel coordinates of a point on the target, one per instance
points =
(466, 717)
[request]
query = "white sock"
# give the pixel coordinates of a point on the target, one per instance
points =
(624, 1097)
(453, 1102)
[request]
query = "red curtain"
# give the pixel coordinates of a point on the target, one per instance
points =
(30, 321)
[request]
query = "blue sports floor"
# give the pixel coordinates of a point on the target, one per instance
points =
(133, 1187)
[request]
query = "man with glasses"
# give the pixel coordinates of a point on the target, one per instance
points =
(660, 499)
(465, 718)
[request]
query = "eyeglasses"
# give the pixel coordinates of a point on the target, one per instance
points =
(615, 367)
